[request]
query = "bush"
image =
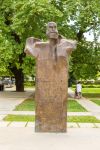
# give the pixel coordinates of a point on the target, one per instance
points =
(29, 83)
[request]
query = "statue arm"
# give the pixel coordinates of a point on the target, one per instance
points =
(70, 45)
(30, 46)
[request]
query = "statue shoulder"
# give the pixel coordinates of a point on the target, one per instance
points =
(41, 44)
(69, 43)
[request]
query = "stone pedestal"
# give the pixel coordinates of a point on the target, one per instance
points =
(51, 96)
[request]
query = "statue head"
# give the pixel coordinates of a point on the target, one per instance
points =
(52, 31)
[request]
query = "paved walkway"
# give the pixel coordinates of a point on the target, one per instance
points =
(9, 99)
(33, 113)
(87, 104)
(90, 106)
(27, 139)
(21, 135)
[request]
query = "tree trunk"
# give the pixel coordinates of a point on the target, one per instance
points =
(18, 73)
(19, 78)
(19, 81)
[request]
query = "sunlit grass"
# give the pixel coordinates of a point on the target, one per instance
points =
(28, 118)
(74, 106)
(90, 92)
(19, 118)
(29, 105)
(97, 101)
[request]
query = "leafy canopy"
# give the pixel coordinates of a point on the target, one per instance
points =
(26, 18)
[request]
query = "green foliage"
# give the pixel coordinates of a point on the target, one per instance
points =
(85, 61)
(79, 17)
(20, 19)
(29, 84)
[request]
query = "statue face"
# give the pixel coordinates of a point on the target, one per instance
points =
(52, 31)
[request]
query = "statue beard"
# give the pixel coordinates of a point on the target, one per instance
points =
(52, 35)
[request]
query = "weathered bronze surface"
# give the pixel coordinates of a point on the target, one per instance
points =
(51, 79)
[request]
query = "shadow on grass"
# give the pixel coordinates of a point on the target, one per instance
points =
(91, 95)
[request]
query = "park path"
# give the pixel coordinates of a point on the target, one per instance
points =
(87, 104)
(9, 99)
(26, 139)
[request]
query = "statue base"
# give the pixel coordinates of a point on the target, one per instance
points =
(51, 117)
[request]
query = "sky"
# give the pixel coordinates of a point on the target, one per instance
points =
(90, 37)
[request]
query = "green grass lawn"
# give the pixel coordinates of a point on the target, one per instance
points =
(83, 119)
(90, 92)
(19, 118)
(74, 106)
(29, 105)
(91, 95)
(28, 118)
(97, 101)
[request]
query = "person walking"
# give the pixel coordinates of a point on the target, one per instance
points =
(75, 94)
(79, 90)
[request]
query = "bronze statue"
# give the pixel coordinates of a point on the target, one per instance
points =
(51, 79)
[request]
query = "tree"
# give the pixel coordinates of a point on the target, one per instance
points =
(19, 20)
(79, 17)
(25, 18)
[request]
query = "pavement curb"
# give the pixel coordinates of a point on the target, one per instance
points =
(32, 124)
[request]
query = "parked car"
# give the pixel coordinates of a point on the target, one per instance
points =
(7, 82)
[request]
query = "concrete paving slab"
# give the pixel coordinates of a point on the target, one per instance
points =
(96, 114)
(70, 92)
(33, 113)
(4, 123)
(10, 99)
(30, 124)
(27, 139)
(13, 89)
(72, 125)
(89, 105)
(17, 124)
(1, 117)
(17, 112)
(79, 113)
(97, 125)
(86, 125)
